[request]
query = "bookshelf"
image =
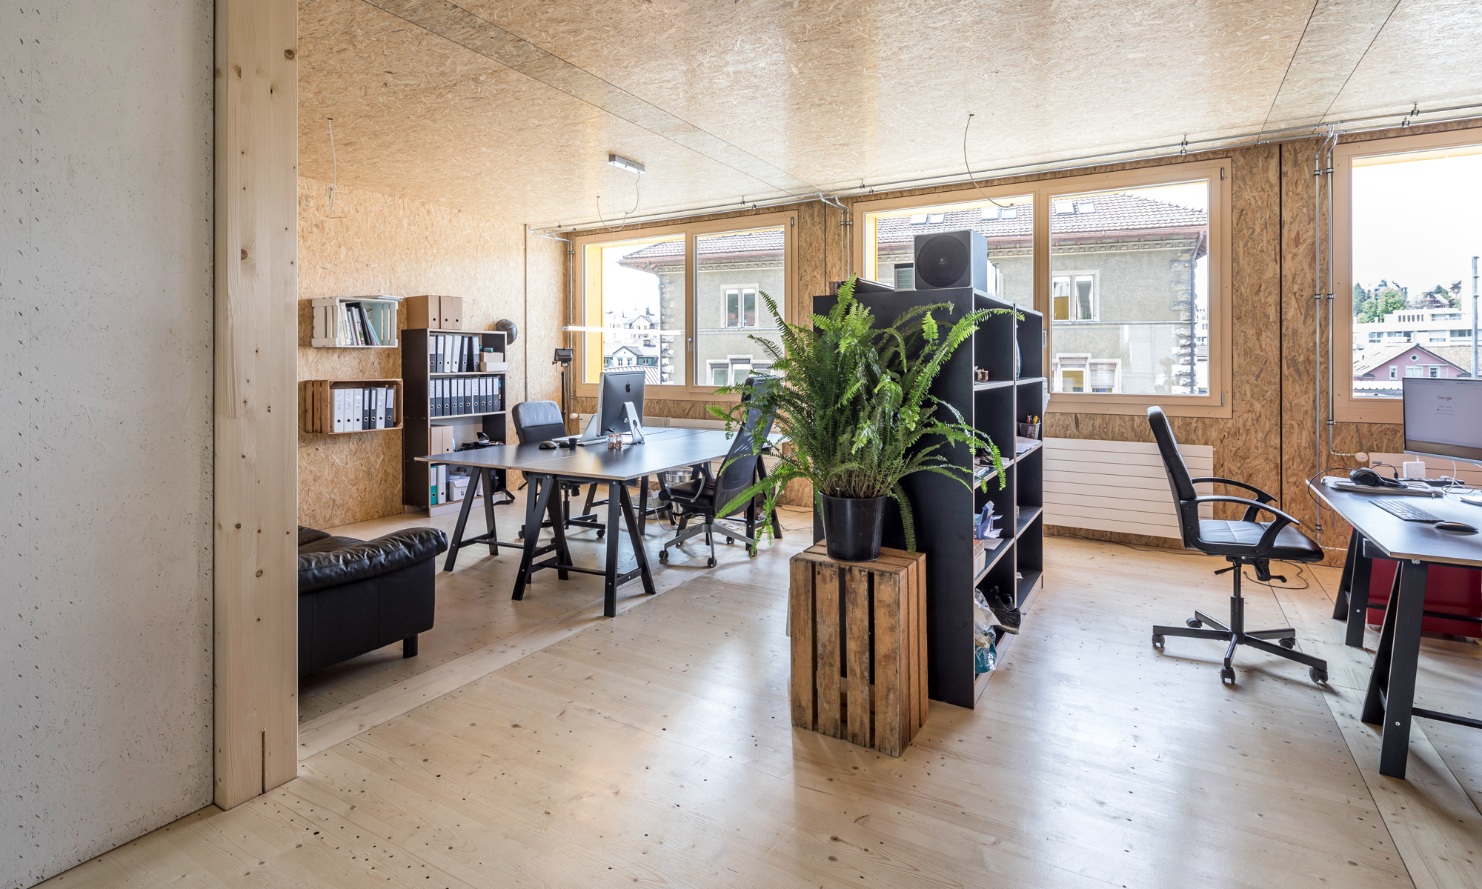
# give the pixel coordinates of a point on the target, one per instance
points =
(355, 322)
(324, 406)
(945, 510)
(448, 402)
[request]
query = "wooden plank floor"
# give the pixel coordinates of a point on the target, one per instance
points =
(656, 748)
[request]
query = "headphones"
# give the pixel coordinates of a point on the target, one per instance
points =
(1372, 479)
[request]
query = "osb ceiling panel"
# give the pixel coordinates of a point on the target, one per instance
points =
(511, 106)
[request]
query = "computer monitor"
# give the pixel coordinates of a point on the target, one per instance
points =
(619, 388)
(1443, 418)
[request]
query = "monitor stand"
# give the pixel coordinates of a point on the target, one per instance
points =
(635, 423)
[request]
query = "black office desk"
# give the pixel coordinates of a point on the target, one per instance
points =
(665, 449)
(1390, 700)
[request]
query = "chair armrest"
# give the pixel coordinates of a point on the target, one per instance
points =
(1214, 479)
(1268, 539)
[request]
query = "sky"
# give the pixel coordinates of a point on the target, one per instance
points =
(1418, 223)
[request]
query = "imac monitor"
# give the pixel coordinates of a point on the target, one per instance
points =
(619, 389)
(1443, 418)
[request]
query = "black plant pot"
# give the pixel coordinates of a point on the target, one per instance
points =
(852, 527)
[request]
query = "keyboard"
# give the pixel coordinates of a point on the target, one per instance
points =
(1405, 510)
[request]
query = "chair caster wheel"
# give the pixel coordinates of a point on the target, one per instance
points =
(1318, 676)
(730, 540)
(1194, 623)
(663, 555)
(601, 532)
(750, 553)
(1227, 675)
(1289, 642)
(1157, 640)
(710, 562)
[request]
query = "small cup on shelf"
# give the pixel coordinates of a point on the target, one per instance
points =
(1029, 430)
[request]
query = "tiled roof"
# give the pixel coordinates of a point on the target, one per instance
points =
(1113, 213)
(763, 241)
(1366, 361)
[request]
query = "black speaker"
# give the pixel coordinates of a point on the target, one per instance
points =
(951, 259)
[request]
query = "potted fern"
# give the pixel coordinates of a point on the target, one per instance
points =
(854, 402)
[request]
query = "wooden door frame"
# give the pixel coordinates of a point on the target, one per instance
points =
(255, 576)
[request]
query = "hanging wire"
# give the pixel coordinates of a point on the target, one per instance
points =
(966, 168)
(637, 191)
(334, 180)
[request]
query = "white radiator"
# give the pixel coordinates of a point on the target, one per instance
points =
(1116, 485)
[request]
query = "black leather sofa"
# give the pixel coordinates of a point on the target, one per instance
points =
(356, 596)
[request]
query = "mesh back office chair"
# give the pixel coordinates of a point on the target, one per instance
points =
(1243, 542)
(539, 421)
(702, 497)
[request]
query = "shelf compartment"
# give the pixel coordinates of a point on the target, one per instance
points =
(338, 326)
(1027, 515)
(316, 404)
(994, 555)
(992, 384)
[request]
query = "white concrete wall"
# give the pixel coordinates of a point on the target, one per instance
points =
(105, 425)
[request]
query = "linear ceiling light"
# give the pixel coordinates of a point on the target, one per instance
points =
(624, 163)
(632, 331)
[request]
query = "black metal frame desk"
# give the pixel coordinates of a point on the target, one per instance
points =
(1390, 701)
(665, 449)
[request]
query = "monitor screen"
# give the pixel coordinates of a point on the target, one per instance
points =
(1443, 418)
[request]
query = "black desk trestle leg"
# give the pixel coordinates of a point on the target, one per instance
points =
(635, 537)
(479, 479)
(609, 578)
(1345, 582)
(1391, 695)
(537, 502)
(1358, 595)
(558, 527)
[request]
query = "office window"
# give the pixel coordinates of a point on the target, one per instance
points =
(1404, 243)
(683, 296)
(635, 293)
(1073, 297)
(1139, 270)
(1006, 222)
(1129, 278)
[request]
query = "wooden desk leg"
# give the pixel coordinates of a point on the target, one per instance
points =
(489, 489)
(1345, 583)
(1358, 595)
(1391, 695)
(609, 577)
(635, 537)
(457, 541)
(537, 501)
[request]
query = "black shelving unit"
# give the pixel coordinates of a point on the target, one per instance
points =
(945, 510)
(417, 377)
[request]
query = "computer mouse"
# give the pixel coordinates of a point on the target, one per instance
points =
(1455, 527)
(548, 446)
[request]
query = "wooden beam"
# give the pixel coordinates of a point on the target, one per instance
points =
(256, 471)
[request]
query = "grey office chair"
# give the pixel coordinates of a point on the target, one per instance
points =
(1246, 541)
(540, 421)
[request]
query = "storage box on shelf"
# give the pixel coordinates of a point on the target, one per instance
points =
(355, 322)
(339, 407)
(956, 563)
(448, 402)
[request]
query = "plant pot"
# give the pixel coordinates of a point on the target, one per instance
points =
(852, 527)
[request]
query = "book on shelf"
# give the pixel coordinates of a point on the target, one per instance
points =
(451, 353)
(359, 408)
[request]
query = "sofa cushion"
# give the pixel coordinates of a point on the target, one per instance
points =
(332, 561)
(309, 535)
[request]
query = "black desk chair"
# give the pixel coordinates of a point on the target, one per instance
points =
(703, 497)
(1241, 543)
(540, 421)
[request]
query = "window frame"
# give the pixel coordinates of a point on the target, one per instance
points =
(1220, 401)
(1347, 408)
(1071, 302)
(686, 390)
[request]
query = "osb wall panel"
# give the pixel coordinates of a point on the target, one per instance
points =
(374, 244)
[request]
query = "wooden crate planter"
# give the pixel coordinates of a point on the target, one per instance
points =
(859, 647)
